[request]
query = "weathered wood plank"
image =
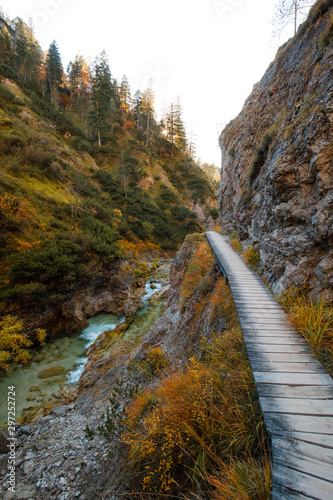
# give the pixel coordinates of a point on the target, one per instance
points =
(293, 378)
(276, 340)
(281, 357)
(302, 463)
(309, 450)
(282, 348)
(266, 314)
(271, 366)
(286, 391)
(298, 423)
(324, 440)
(297, 406)
(304, 484)
(281, 493)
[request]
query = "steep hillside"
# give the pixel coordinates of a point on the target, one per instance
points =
(87, 208)
(277, 172)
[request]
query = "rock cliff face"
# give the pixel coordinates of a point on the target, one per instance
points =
(277, 162)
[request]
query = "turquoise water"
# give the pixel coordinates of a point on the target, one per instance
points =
(67, 357)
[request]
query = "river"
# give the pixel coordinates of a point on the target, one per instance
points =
(59, 364)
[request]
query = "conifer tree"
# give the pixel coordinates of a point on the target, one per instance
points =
(79, 78)
(103, 99)
(125, 94)
(147, 106)
(29, 55)
(6, 49)
(174, 126)
(180, 133)
(54, 70)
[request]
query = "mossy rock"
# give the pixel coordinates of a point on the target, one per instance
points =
(34, 388)
(52, 372)
(31, 398)
(48, 406)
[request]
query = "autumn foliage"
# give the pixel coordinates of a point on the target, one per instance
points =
(14, 342)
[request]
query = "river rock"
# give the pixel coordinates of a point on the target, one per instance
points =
(60, 411)
(52, 372)
(34, 388)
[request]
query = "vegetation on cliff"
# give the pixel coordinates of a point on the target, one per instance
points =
(89, 176)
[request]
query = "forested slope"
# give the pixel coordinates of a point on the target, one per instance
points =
(90, 180)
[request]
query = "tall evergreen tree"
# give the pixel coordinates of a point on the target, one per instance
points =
(54, 70)
(6, 49)
(103, 92)
(147, 106)
(125, 94)
(180, 133)
(29, 55)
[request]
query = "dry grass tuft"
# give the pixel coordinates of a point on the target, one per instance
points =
(314, 320)
(193, 421)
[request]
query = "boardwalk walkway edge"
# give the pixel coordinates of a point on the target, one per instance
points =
(295, 392)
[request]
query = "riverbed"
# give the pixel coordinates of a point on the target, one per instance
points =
(59, 364)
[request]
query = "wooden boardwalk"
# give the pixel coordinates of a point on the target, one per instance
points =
(295, 392)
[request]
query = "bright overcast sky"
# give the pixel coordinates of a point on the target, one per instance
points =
(209, 52)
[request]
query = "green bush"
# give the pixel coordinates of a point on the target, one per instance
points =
(261, 153)
(58, 259)
(81, 144)
(214, 213)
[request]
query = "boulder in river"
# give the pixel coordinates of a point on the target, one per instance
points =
(52, 372)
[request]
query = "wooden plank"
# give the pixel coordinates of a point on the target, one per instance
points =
(295, 391)
(271, 366)
(263, 331)
(324, 440)
(301, 483)
(256, 304)
(267, 314)
(282, 348)
(282, 340)
(297, 406)
(266, 324)
(301, 463)
(281, 493)
(298, 423)
(282, 357)
(292, 378)
(312, 451)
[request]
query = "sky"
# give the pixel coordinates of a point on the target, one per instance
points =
(208, 52)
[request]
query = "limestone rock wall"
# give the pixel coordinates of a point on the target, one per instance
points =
(277, 162)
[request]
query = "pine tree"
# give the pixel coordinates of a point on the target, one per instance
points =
(180, 133)
(6, 50)
(79, 78)
(103, 99)
(147, 106)
(29, 55)
(125, 94)
(174, 127)
(137, 109)
(54, 70)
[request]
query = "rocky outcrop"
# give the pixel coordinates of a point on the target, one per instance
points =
(277, 169)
